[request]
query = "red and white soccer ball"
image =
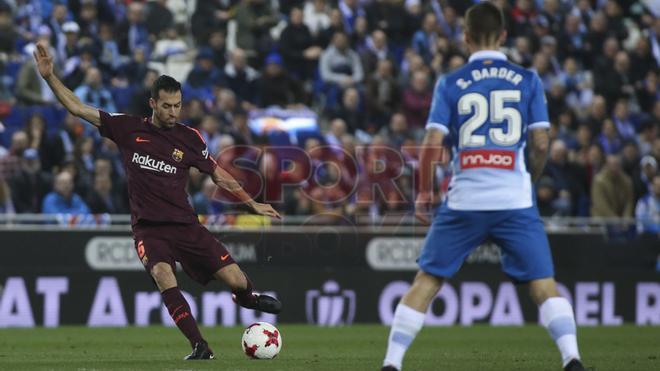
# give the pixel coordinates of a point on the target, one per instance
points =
(261, 340)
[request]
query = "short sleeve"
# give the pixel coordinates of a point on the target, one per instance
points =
(440, 108)
(538, 106)
(201, 159)
(115, 126)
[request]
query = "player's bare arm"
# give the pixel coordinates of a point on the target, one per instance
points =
(430, 155)
(539, 152)
(227, 182)
(69, 100)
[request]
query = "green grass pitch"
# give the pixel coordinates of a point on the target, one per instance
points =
(313, 348)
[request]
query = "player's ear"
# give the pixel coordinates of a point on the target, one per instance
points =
(503, 36)
(152, 103)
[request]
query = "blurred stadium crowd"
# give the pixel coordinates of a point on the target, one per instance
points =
(365, 68)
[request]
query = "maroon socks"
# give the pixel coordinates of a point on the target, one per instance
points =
(246, 297)
(179, 309)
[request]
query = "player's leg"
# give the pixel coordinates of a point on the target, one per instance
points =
(450, 239)
(159, 261)
(243, 291)
(179, 310)
(204, 259)
(526, 257)
(409, 318)
(557, 316)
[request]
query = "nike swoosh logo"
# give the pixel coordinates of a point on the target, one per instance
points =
(141, 140)
(224, 257)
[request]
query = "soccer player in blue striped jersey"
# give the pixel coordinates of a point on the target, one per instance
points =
(488, 108)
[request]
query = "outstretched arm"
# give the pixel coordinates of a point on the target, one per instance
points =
(227, 182)
(69, 100)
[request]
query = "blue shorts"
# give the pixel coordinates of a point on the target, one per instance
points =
(519, 233)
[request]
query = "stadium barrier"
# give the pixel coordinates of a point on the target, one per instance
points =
(325, 275)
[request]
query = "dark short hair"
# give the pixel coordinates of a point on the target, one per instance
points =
(164, 82)
(485, 22)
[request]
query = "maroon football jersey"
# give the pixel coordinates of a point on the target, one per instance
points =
(157, 162)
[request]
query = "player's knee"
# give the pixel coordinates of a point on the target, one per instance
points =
(542, 290)
(163, 275)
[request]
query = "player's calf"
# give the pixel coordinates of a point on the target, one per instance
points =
(557, 316)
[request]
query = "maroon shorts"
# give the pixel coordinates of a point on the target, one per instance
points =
(192, 245)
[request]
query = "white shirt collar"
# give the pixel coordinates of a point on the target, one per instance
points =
(487, 54)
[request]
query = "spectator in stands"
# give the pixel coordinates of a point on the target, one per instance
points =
(597, 114)
(334, 134)
(298, 47)
(62, 144)
(204, 202)
(240, 130)
(102, 200)
(76, 67)
(275, 87)
(203, 77)
(351, 10)
(62, 200)
(30, 184)
(340, 68)
(208, 17)
(171, 43)
(92, 92)
(648, 170)
(30, 87)
(336, 25)
(351, 112)
(382, 94)
(648, 91)
(569, 179)
(158, 17)
(612, 191)
(140, 100)
(648, 210)
(254, 19)
(609, 138)
(109, 59)
(132, 33)
(648, 131)
(209, 128)
(316, 14)
(424, 40)
(416, 100)
(8, 33)
(6, 204)
(240, 77)
(552, 200)
(218, 45)
(225, 105)
(35, 128)
(396, 132)
(10, 161)
(377, 50)
(67, 46)
(84, 165)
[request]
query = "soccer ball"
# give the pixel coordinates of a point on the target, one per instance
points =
(261, 340)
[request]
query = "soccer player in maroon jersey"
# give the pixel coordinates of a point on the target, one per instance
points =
(157, 152)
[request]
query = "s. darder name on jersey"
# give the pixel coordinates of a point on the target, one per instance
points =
(149, 163)
(497, 73)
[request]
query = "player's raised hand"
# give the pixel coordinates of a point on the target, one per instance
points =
(265, 209)
(44, 60)
(423, 207)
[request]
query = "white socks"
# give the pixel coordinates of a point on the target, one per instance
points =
(557, 317)
(406, 324)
